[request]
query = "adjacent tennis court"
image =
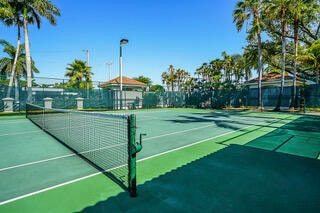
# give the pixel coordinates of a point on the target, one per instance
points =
(192, 160)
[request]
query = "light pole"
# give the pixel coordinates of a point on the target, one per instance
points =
(109, 69)
(122, 41)
(87, 54)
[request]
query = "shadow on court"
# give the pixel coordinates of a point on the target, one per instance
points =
(305, 123)
(299, 137)
(234, 179)
(221, 120)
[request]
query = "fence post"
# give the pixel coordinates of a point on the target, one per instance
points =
(8, 104)
(48, 103)
(79, 103)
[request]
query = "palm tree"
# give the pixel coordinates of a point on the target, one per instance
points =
(10, 16)
(227, 66)
(296, 9)
(299, 11)
(172, 77)
(204, 73)
(277, 10)
(80, 75)
(216, 75)
(251, 10)
(6, 63)
(311, 60)
(144, 79)
(164, 78)
(5, 10)
(157, 88)
(16, 60)
(169, 77)
(200, 71)
(314, 52)
(238, 66)
(250, 56)
(32, 11)
(181, 77)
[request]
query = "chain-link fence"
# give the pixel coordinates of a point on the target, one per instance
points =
(308, 97)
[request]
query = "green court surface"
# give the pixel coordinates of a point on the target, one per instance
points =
(192, 161)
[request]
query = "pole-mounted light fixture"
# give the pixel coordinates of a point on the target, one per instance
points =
(122, 41)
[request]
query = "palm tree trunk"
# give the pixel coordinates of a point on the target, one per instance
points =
(17, 95)
(14, 64)
(283, 65)
(294, 82)
(28, 60)
(259, 71)
(317, 86)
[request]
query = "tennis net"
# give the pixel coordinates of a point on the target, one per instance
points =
(107, 141)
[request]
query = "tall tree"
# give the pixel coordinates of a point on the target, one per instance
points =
(16, 60)
(169, 78)
(251, 10)
(143, 79)
(32, 11)
(80, 74)
(157, 88)
(6, 63)
(314, 52)
(299, 11)
(227, 66)
(4, 9)
(216, 74)
(238, 66)
(205, 72)
(276, 11)
(310, 59)
(10, 15)
(181, 77)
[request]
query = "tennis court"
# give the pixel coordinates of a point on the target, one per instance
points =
(192, 160)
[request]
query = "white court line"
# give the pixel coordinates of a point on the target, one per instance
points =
(56, 186)
(147, 118)
(190, 130)
(21, 133)
(86, 177)
(178, 132)
(60, 157)
(13, 122)
(152, 111)
(47, 189)
(197, 142)
(36, 162)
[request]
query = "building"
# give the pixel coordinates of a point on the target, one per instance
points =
(128, 84)
(272, 80)
(270, 86)
(131, 96)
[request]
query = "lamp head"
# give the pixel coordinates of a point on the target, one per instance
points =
(124, 41)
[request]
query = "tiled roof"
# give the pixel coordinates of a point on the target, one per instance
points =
(271, 77)
(125, 81)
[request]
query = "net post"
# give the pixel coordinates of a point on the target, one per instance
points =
(132, 156)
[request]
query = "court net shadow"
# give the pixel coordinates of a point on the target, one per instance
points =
(234, 179)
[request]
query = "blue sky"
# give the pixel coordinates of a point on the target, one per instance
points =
(184, 33)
